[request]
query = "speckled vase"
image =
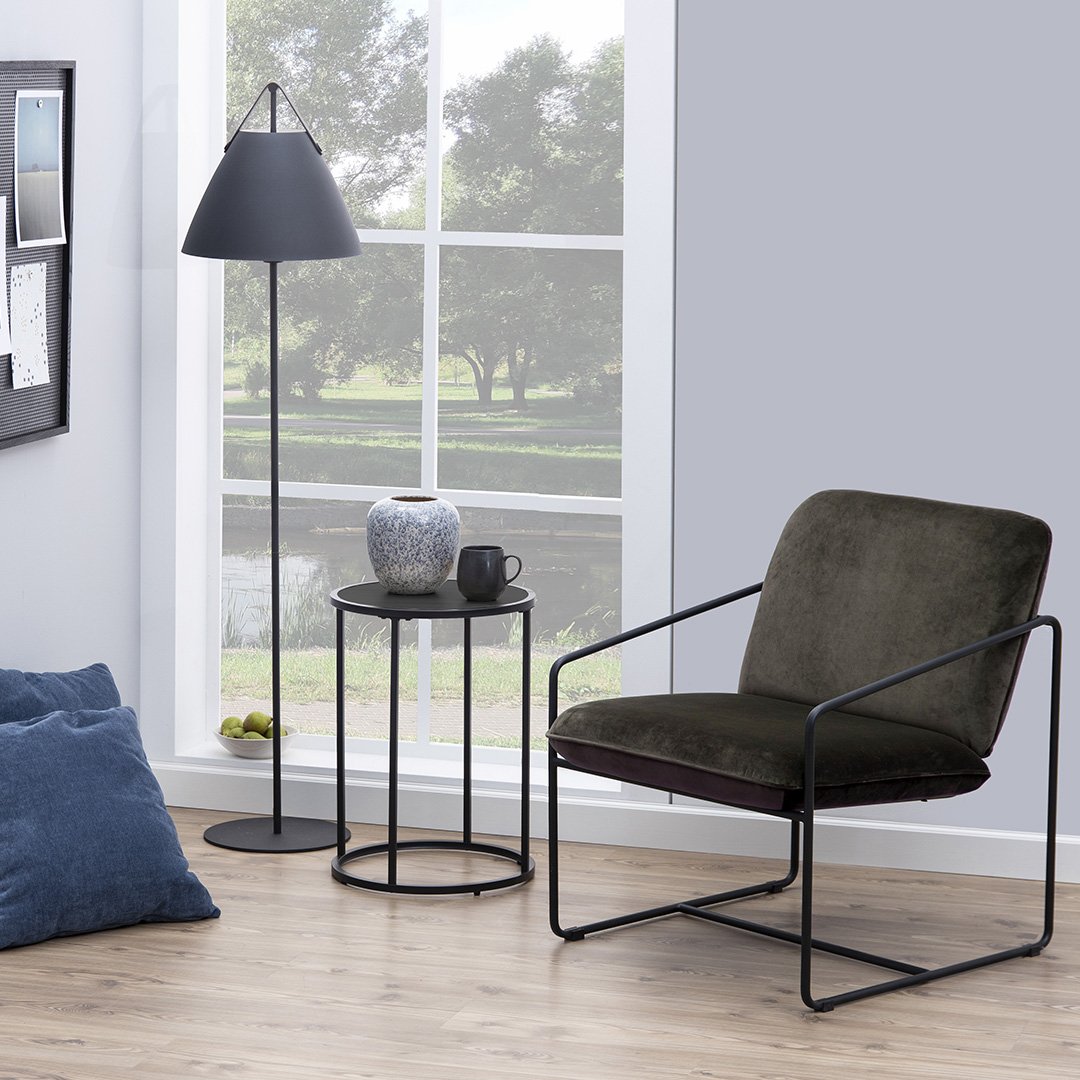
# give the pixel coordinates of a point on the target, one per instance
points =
(412, 541)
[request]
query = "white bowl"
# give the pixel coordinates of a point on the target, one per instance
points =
(253, 748)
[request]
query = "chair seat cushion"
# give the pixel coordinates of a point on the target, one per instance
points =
(747, 750)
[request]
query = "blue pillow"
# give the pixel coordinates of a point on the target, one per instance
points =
(85, 840)
(24, 694)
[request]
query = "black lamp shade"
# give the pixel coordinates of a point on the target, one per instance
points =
(272, 199)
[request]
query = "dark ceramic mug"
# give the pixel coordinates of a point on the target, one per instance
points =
(481, 571)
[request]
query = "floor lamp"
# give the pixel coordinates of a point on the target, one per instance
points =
(273, 199)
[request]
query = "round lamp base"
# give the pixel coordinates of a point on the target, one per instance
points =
(257, 834)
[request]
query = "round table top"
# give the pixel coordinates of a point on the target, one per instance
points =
(371, 598)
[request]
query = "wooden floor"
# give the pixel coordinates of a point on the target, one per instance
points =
(304, 978)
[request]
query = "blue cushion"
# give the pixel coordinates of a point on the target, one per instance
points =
(24, 694)
(85, 840)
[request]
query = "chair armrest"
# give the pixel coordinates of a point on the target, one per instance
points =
(635, 632)
(929, 665)
(1000, 638)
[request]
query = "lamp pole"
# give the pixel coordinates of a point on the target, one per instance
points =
(301, 215)
(275, 548)
(275, 523)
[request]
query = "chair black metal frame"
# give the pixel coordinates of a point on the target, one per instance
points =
(911, 974)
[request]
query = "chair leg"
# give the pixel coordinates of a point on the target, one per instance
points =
(576, 933)
(911, 974)
(916, 976)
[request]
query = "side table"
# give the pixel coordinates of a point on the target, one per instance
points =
(372, 599)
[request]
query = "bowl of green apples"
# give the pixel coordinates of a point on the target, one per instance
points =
(251, 736)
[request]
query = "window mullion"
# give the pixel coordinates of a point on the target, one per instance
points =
(429, 416)
(544, 241)
(429, 406)
(429, 392)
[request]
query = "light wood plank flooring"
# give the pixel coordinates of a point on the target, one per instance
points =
(305, 978)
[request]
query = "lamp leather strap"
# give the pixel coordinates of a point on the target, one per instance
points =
(274, 88)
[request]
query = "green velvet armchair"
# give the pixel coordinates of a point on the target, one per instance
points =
(884, 651)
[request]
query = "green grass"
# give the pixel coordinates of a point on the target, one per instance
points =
(233, 376)
(561, 470)
(496, 446)
(323, 458)
(308, 675)
(382, 410)
(369, 400)
(498, 463)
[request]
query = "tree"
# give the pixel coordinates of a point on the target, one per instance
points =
(538, 144)
(356, 72)
(538, 149)
(531, 312)
(367, 310)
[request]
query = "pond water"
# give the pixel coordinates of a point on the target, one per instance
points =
(571, 561)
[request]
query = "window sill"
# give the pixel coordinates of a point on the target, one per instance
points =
(366, 766)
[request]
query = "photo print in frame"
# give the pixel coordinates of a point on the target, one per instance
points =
(29, 329)
(39, 179)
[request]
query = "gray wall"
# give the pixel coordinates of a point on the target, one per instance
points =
(878, 275)
(69, 539)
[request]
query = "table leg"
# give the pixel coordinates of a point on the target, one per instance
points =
(466, 749)
(520, 860)
(341, 834)
(392, 811)
(526, 657)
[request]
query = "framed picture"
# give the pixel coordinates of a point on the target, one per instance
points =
(39, 168)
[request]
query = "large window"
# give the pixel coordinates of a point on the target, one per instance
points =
(474, 350)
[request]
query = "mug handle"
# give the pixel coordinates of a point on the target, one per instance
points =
(517, 560)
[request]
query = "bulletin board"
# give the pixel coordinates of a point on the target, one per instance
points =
(36, 368)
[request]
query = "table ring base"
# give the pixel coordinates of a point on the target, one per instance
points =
(476, 887)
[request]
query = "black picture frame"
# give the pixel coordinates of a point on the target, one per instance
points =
(31, 413)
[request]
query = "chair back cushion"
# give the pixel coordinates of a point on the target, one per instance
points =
(863, 585)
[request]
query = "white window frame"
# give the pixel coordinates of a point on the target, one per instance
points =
(182, 430)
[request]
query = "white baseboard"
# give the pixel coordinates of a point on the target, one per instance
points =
(849, 841)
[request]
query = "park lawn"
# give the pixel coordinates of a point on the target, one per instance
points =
(369, 400)
(233, 376)
(492, 465)
(308, 675)
(499, 463)
(325, 458)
